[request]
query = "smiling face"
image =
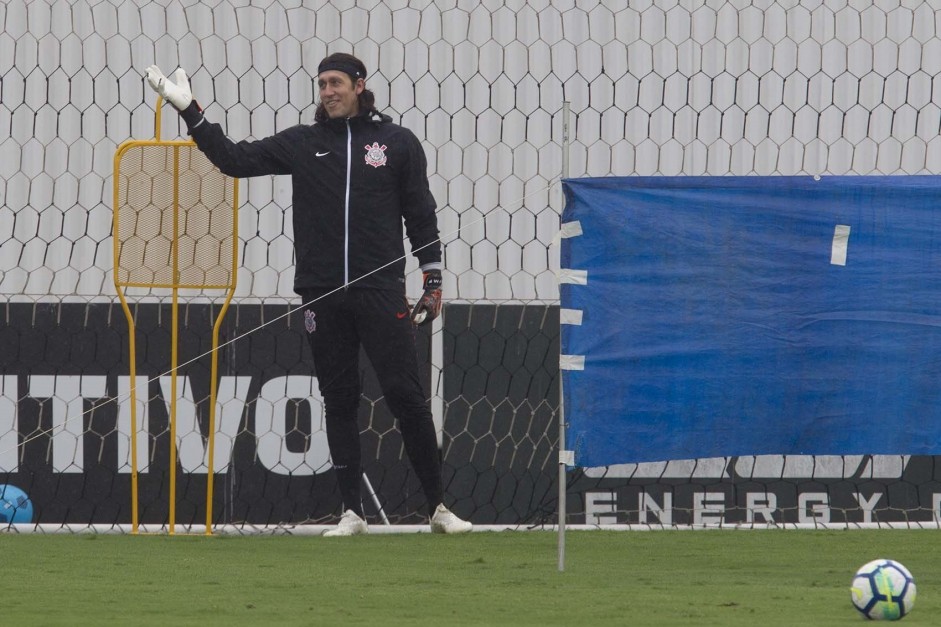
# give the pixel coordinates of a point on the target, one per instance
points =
(339, 94)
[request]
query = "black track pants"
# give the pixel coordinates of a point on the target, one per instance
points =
(378, 320)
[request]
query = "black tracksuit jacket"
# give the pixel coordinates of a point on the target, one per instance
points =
(354, 180)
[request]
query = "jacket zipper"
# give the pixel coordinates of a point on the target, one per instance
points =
(346, 209)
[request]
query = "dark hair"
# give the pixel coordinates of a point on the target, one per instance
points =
(355, 69)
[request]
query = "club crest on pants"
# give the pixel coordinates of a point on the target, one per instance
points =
(310, 321)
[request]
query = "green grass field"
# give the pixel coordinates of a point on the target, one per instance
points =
(611, 578)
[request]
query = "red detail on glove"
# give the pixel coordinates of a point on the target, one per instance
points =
(429, 305)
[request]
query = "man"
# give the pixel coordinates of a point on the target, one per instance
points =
(356, 177)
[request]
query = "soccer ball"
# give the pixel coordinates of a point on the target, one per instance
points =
(883, 590)
(15, 506)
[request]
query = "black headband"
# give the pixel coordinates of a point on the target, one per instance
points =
(340, 66)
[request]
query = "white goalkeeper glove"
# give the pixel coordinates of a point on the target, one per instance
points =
(177, 92)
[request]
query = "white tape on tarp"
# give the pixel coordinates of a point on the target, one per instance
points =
(841, 240)
(575, 277)
(568, 229)
(571, 229)
(570, 316)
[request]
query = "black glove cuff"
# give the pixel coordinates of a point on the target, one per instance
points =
(432, 280)
(192, 115)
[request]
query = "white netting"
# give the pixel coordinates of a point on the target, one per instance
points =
(656, 88)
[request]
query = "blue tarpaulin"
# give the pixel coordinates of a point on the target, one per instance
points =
(726, 316)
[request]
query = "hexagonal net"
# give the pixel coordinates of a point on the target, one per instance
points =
(175, 217)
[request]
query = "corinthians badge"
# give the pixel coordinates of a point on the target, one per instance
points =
(375, 155)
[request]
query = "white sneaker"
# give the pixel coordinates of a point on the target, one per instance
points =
(350, 525)
(444, 521)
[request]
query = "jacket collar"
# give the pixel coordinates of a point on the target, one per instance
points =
(372, 116)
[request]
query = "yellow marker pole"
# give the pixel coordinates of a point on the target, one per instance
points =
(174, 334)
(132, 350)
(214, 376)
(132, 265)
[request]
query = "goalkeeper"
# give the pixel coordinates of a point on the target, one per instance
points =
(356, 178)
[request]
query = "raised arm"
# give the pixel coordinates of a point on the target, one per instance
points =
(272, 155)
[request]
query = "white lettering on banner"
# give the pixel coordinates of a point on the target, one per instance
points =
(664, 513)
(711, 508)
(9, 432)
(813, 507)
(67, 394)
(601, 505)
(761, 504)
(141, 395)
(272, 449)
(192, 445)
(708, 508)
(231, 399)
(867, 506)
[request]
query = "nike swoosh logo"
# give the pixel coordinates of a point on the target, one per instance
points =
(401, 315)
(323, 154)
